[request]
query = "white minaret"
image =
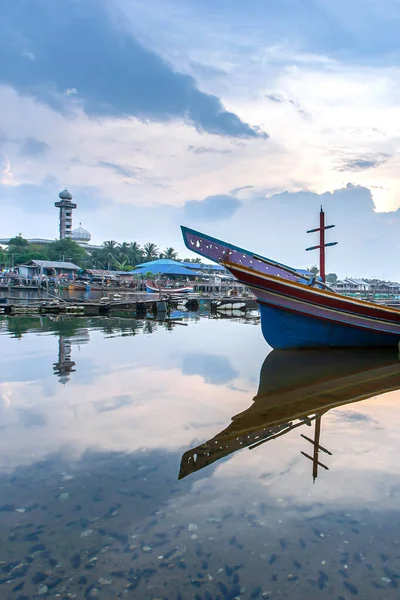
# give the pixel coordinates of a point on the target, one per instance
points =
(66, 207)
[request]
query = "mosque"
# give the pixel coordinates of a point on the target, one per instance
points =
(79, 235)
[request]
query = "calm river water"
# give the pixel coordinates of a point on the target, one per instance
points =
(108, 490)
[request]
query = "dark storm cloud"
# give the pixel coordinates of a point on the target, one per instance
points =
(32, 147)
(49, 48)
(212, 208)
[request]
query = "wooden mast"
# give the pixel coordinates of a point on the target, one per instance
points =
(322, 244)
(317, 430)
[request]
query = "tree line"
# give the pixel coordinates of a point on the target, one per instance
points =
(111, 256)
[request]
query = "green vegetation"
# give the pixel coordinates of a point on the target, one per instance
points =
(112, 256)
(330, 277)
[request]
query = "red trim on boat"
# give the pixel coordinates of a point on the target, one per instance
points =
(341, 304)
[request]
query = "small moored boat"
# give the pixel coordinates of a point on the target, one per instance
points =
(153, 288)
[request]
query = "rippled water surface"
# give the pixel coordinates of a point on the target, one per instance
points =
(123, 475)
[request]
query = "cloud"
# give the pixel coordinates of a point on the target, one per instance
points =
(116, 403)
(275, 226)
(39, 199)
(111, 73)
(275, 98)
(205, 150)
(212, 208)
(354, 417)
(207, 70)
(241, 189)
(214, 369)
(130, 172)
(279, 99)
(32, 147)
(362, 164)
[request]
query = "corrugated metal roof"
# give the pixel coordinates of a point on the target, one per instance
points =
(50, 264)
(357, 281)
(100, 272)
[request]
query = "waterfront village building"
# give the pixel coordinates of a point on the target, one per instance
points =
(359, 286)
(351, 286)
(49, 268)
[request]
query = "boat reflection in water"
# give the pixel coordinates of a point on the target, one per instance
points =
(297, 387)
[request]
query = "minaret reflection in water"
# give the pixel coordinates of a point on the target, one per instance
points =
(296, 389)
(65, 365)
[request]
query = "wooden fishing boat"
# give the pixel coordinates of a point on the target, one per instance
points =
(79, 287)
(153, 288)
(296, 388)
(300, 311)
(85, 287)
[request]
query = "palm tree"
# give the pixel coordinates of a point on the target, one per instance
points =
(136, 253)
(110, 253)
(169, 253)
(111, 245)
(151, 252)
(192, 260)
(125, 249)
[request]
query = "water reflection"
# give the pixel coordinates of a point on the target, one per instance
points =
(90, 504)
(296, 389)
(64, 366)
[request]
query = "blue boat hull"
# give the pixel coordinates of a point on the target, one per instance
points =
(285, 330)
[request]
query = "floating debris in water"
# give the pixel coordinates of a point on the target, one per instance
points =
(86, 533)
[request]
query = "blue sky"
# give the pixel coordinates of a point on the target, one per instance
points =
(211, 114)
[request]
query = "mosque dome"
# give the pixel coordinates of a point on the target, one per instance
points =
(81, 235)
(65, 195)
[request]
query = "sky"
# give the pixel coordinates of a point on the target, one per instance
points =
(236, 119)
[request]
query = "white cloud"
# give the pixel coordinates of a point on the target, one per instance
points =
(6, 174)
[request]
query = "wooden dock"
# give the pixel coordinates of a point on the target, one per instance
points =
(136, 306)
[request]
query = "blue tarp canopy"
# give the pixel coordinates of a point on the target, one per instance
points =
(164, 267)
(160, 261)
(159, 266)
